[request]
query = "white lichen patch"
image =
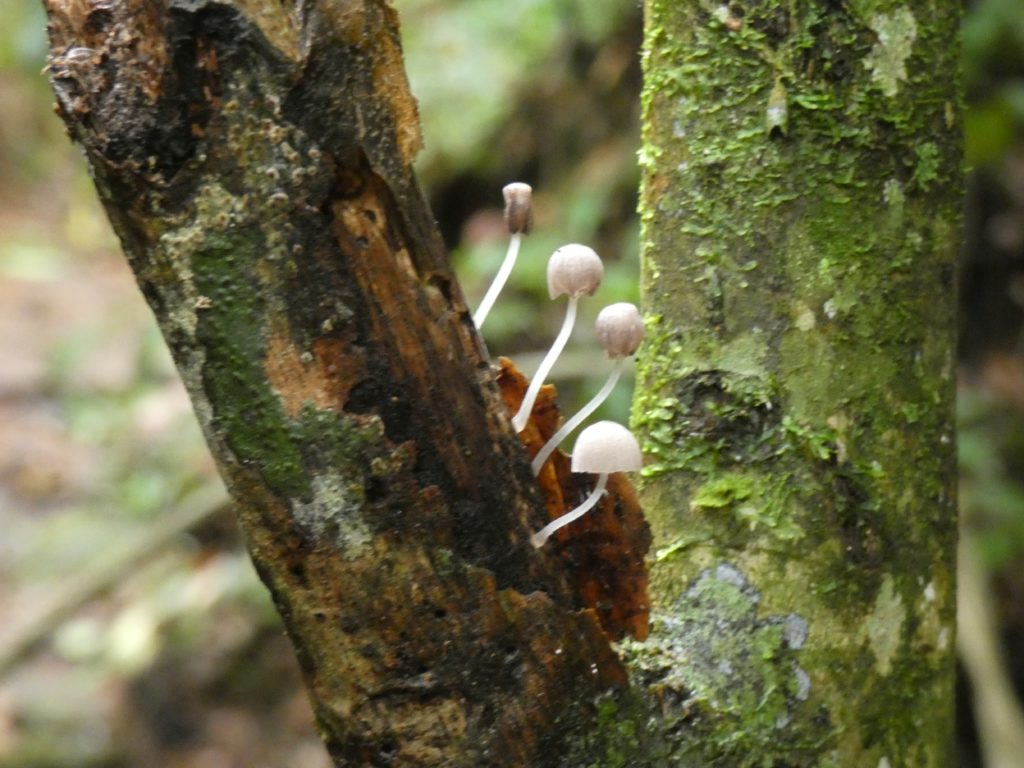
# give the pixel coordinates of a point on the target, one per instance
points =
(883, 628)
(928, 635)
(896, 33)
(803, 683)
(893, 196)
(732, 575)
(334, 514)
(830, 309)
(795, 631)
(805, 320)
(777, 111)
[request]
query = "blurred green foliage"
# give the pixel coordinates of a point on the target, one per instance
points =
(993, 40)
(470, 63)
(543, 92)
(991, 451)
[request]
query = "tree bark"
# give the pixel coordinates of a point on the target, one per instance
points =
(800, 208)
(255, 160)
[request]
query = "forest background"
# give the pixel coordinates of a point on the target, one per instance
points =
(133, 630)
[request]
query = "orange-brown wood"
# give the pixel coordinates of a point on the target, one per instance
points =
(603, 552)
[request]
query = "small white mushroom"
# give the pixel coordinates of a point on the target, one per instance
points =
(575, 270)
(603, 447)
(620, 329)
(519, 218)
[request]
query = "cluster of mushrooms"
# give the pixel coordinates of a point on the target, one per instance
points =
(573, 270)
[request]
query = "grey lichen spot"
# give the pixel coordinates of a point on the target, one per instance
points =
(830, 309)
(929, 592)
(333, 514)
(892, 194)
(896, 33)
(883, 628)
(803, 683)
(731, 575)
(794, 629)
(711, 646)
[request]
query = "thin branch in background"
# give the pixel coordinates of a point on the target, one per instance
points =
(109, 570)
(997, 712)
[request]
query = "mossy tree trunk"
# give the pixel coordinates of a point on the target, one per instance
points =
(255, 160)
(801, 195)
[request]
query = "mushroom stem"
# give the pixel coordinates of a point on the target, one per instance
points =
(499, 280)
(540, 537)
(526, 408)
(579, 418)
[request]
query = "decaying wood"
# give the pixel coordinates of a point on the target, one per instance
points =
(603, 552)
(255, 160)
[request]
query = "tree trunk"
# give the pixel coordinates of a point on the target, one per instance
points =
(255, 160)
(800, 209)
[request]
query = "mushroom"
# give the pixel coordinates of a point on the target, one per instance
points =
(575, 270)
(603, 447)
(620, 329)
(519, 218)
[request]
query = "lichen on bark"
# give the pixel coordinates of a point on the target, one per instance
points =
(800, 215)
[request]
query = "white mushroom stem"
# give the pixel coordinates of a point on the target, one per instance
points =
(521, 418)
(539, 539)
(499, 280)
(579, 418)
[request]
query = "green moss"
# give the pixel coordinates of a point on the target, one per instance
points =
(723, 492)
(249, 417)
(618, 734)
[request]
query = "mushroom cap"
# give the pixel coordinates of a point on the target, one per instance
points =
(518, 207)
(575, 270)
(606, 446)
(620, 329)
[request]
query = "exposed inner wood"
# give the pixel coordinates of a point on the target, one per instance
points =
(603, 552)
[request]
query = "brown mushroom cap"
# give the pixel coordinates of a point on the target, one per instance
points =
(575, 270)
(518, 207)
(620, 329)
(606, 447)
